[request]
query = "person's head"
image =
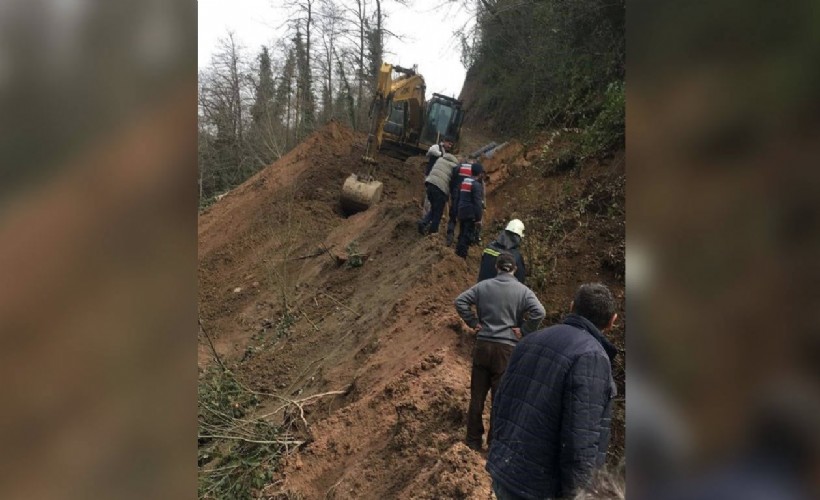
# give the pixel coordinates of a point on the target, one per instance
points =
(515, 226)
(448, 142)
(478, 170)
(595, 302)
(505, 263)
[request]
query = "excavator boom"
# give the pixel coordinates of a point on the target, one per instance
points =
(396, 113)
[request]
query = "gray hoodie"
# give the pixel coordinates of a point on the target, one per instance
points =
(501, 303)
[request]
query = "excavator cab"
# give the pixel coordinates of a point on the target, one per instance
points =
(443, 118)
(403, 124)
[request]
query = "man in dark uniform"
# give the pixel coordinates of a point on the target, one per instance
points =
(470, 208)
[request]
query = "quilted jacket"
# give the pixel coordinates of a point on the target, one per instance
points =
(551, 415)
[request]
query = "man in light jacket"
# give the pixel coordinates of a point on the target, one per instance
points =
(438, 190)
(506, 311)
(436, 151)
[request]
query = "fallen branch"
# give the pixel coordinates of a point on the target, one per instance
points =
(257, 441)
(334, 258)
(309, 321)
(332, 489)
(315, 396)
(334, 299)
(320, 251)
(300, 402)
(210, 343)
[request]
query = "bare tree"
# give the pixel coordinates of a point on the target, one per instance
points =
(330, 26)
(222, 113)
(302, 22)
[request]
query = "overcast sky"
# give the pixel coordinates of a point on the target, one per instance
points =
(426, 29)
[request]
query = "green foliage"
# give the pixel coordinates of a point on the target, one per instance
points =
(595, 205)
(283, 325)
(264, 340)
(607, 131)
(220, 394)
(545, 64)
(264, 91)
(564, 161)
(354, 258)
(237, 455)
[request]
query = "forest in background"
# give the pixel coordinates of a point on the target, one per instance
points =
(532, 66)
(548, 64)
(255, 108)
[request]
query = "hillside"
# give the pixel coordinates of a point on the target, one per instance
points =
(292, 314)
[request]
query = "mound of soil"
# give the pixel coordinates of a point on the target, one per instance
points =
(291, 320)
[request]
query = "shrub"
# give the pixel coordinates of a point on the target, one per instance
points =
(606, 133)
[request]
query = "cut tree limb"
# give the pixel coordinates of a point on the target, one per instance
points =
(318, 252)
(257, 441)
(334, 299)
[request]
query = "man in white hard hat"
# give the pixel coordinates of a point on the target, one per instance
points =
(508, 241)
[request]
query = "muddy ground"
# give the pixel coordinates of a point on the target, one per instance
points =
(292, 321)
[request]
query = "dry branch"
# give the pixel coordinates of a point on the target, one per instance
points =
(334, 299)
(210, 343)
(318, 252)
(309, 320)
(257, 441)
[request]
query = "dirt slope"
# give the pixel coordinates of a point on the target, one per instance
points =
(295, 323)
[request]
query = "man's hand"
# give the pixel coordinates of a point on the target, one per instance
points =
(517, 332)
(477, 329)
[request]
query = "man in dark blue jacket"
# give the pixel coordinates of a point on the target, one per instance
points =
(551, 416)
(470, 208)
(460, 172)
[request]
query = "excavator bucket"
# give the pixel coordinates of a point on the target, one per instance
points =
(396, 121)
(360, 193)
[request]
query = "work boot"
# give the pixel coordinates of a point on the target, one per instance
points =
(422, 227)
(473, 445)
(449, 239)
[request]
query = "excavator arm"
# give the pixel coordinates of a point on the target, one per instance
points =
(409, 88)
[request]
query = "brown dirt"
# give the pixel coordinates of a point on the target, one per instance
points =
(386, 331)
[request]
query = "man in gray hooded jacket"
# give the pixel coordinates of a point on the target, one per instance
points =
(507, 310)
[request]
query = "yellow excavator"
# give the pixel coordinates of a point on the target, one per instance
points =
(402, 124)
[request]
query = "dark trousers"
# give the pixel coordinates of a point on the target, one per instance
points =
(465, 236)
(438, 199)
(451, 230)
(452, 216)
(489, 362)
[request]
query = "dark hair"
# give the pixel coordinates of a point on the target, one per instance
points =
(478, 169)
(505, 262)
(594, 301)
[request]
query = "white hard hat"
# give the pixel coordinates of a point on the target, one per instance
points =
(516, 226)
